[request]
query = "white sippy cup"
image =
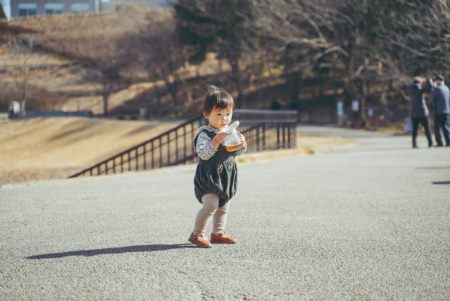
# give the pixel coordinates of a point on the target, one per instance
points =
(232, 141)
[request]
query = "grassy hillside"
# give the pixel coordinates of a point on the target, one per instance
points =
(84, 35)
(55, 148)
(60, 50)
(46, 148)
(64, 48)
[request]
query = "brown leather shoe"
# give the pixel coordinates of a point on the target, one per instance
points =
(200, 241)
(222, 238)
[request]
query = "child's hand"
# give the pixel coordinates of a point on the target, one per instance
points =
(243, 142)
(218, 139)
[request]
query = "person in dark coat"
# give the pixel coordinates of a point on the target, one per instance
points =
(440, 97)
(419, 109)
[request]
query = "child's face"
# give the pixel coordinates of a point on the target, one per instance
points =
(219, 118)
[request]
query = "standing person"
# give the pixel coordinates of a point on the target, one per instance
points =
(216, 175)
(419, 109)
(441, 104)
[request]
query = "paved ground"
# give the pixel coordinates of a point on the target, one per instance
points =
(372, 223)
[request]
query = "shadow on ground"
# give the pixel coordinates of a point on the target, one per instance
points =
(120, 250)
(441, 182)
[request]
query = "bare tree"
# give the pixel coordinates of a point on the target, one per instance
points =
(22, 69)
(96, 42)
(162, 54)
(108, 73)
(224, 27)
(21, 40)
(111, 81)
(361, 42)
(104, 65)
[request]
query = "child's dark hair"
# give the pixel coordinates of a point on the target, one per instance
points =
(217, 98)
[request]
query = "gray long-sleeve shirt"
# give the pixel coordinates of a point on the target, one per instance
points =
(441, 99)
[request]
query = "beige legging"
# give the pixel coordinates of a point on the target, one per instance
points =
(211, 207)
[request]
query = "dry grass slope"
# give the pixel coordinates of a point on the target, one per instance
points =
(46, 148)
(52, 148)
(86, 35)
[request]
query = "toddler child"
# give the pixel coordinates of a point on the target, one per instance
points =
(216, 175)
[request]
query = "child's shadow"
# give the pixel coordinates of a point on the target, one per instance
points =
(119, 250)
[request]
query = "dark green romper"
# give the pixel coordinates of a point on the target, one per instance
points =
(217, 175)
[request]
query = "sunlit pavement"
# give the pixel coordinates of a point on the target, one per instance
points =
(370, 222)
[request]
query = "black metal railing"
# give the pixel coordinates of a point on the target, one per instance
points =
(169, 148)
(268, 129)
(264, 130)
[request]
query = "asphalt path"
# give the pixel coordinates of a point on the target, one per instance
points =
(371, 222)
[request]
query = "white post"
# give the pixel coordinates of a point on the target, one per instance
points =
(97, 6)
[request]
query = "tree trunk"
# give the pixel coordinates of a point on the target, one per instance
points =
(23, 96)
(294, 80)
(106, 94)
(362, 112)
(172, 88)
(23, 104)
(236, 77)
(105, 104)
